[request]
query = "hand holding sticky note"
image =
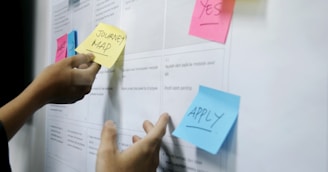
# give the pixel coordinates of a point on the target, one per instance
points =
(106, 42)
(209, 119)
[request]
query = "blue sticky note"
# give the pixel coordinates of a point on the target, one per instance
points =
(71, 43)
(209, 119)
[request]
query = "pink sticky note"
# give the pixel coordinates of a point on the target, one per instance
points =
(211, 19)
(61, 52)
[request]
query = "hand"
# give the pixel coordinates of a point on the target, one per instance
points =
(141, 156)
(68, 80)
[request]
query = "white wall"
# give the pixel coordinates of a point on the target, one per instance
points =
(279, 66)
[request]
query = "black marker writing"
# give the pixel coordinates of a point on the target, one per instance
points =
(204, 117)
(110, 36)
(104, 46)
(61, 50)
(71, 46)
(210, 9)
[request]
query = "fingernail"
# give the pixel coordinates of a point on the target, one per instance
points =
(110, 123)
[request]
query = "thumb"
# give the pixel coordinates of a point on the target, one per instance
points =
(79, 59)
(108, 141)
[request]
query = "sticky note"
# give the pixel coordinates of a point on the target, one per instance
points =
(211, 19)
(106, 42)
(209, 119)
(61, 51)
(71, 43)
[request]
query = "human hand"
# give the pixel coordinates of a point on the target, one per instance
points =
(141, 156)
(67, 80)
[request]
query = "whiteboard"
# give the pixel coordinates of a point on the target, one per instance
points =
(275, 59)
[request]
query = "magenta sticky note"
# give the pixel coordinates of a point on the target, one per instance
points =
(211, 19)
(61, 51)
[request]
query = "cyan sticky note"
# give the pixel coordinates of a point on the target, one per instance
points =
(209, 119)
(71, 43)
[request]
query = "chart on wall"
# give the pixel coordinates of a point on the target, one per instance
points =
(166, 59)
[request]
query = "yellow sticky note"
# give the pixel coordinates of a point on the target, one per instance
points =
(106, 42)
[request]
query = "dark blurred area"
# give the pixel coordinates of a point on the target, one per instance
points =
(18, 41)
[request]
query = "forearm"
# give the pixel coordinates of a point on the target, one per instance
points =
(62, 82)
(15, 113)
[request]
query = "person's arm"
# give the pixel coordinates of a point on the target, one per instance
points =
(142, 155)
(66, 81)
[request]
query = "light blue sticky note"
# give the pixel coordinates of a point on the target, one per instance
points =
(209, 119)
(71, 43)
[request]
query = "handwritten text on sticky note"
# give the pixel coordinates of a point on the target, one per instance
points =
(106, 42)
(61, 51)
(209, 119)
(211, 19)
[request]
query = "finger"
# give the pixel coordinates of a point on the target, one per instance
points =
(135, 138)
(157, 131)
(83, 66)
(94, 68)
(85, 76)
(79, 59)
(147, 126)
(108, 141)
